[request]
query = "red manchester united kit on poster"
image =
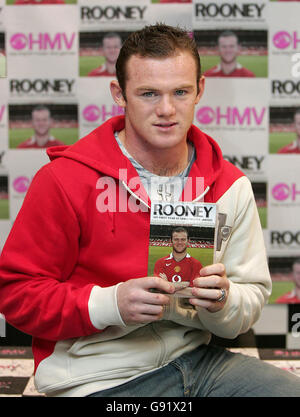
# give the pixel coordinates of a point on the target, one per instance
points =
(237, 72)
(185, 270)
(290, 148)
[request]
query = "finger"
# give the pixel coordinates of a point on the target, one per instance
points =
(211, 294)
(146, 314)
(151, 309)
(212, 281)
(159, 284)
(214, 269)
(155, 299)
(201, 303)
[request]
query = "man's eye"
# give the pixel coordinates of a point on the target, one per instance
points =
(180, 92)
(148, 94)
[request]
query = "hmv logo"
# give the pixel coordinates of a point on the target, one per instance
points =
(284, 40)
(230, 116)
(42, 41)
(285, 192)
(21, 184)
(93, 113)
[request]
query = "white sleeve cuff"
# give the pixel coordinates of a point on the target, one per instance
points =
(103, 307)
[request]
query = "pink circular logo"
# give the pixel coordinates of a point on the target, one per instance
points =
(282, 40)
(91, 113)
(205, 115)
(18, 41)
(281, 191)
(21, 184)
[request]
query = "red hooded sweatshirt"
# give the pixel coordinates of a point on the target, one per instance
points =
(61, 246)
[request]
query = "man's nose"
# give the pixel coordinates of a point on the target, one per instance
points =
(165, 107)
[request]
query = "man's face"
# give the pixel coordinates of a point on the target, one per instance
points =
(111, 48)
(161, 95)
(179, 242)
(297, 124)
(228, 49)
(296, 274)
(41, 122)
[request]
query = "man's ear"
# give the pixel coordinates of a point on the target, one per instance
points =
(117, 93)
(201, 86)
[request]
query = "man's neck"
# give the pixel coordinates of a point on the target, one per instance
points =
(168, 162)
(41, 140)
(110, 67)
(228, 68)
(178, 256)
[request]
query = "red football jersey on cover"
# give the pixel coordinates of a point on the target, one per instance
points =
(185, 270)
(237, 72)
(290, 148)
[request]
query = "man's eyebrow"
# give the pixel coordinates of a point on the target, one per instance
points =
(146, 88)
(180, 87)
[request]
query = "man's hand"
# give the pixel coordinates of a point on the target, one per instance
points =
(137, 304)
(207, 288)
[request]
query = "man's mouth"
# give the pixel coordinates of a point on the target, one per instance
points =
(165, 125)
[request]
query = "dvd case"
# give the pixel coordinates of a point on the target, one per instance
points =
(182, 241)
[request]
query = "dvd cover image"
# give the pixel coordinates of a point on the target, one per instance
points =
(181, 242)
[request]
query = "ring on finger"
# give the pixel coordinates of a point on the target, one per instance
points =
(222, 296)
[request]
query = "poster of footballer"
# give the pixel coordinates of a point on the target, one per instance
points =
(233, 52)
(181, 242)
(285, 274)
(284, 130)
(39, 126)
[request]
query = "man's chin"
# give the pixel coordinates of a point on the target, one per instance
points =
(179, 252)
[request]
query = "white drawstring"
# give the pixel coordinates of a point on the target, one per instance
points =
(134, 195)
(145, 204)
(201, 195)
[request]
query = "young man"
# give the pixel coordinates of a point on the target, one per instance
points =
(41, 124)
(179, 265)
(74, 268)
(293, 147)
(111, 45)
(229, 50)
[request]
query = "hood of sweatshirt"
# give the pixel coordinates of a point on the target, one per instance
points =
(100, 151)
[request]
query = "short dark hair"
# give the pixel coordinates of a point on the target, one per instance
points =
(155, 41)
(110, 35)
(179, 229)
(41, 107)
(227, 33)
